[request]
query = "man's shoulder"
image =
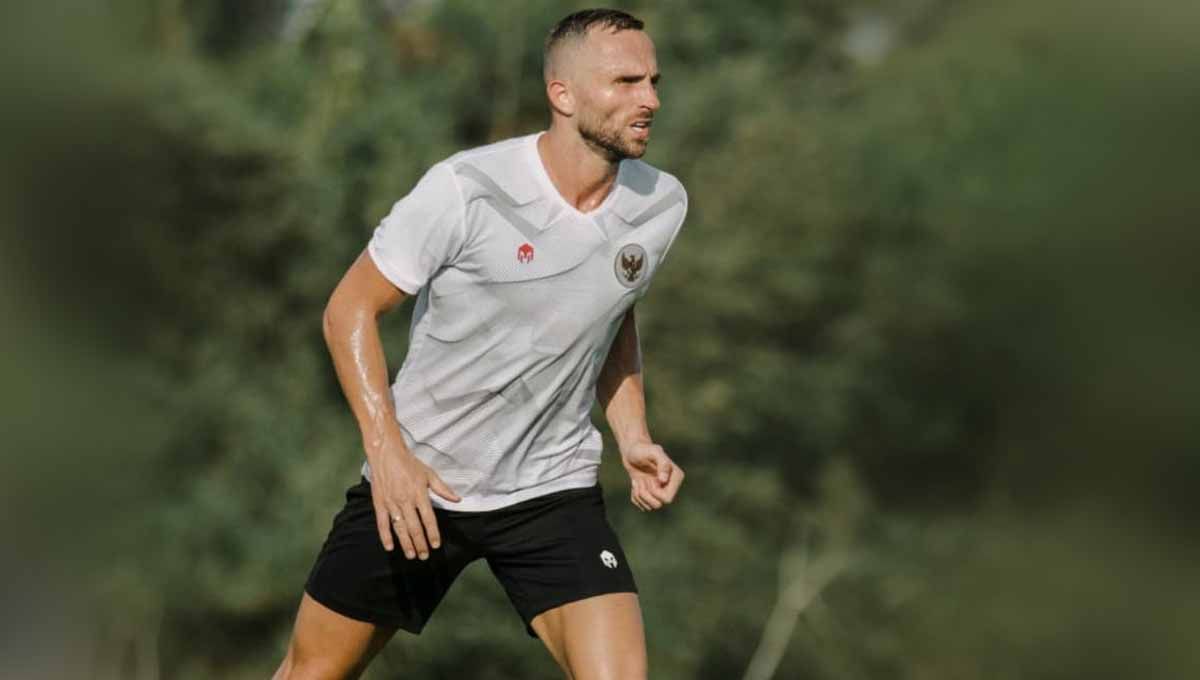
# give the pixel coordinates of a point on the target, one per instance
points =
(649, 192)
(505, 147)
(644, 178)
(497, 170)
(502, 152)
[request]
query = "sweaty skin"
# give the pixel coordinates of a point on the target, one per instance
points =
(401, 482)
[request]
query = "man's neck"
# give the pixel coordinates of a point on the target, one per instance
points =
(582, 176)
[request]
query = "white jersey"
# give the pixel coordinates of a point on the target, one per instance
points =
(519, 297)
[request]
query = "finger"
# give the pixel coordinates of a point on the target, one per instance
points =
(664, 466)
(429, 519)
(634, 491)
(648, 498)
(441, 488)
(412, 520)
(633, 494)
(384, 524)
(396, 517)
(637, 502)
(667, 494)
(676, 482)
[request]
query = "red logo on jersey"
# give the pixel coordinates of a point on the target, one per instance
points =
(525, 253)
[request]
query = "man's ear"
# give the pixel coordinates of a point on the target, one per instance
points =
(558, 92)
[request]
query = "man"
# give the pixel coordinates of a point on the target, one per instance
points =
(526, 257)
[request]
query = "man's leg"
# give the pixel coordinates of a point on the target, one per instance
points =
(597, 638)
(328, 646)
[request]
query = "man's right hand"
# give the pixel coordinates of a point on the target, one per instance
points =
(400, 485)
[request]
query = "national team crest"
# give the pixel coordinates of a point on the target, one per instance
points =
(630, 265)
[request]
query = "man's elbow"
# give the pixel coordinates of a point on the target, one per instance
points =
(332, 319)
(345, 314)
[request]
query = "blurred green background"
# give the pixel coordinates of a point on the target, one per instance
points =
(926, 347)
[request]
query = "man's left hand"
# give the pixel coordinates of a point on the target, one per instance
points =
(654, 477)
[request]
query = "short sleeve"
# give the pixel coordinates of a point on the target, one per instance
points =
(423, 232)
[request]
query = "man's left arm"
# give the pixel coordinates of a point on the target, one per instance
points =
(654, 477)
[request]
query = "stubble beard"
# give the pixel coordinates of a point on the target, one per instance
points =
(609, 142)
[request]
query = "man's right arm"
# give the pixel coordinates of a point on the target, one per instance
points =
(352, 334)
(399, 481)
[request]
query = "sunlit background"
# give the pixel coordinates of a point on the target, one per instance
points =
(928, 345)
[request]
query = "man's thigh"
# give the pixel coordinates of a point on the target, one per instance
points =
(555, 549)
(326, 645)
(597, 638)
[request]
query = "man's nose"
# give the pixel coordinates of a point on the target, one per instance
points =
(650, 98)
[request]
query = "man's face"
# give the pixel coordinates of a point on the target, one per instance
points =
(616, 76)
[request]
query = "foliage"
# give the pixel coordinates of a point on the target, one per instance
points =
(890, 332)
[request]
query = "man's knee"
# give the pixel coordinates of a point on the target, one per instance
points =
(307, 667)
(610, 664)
(616, 670)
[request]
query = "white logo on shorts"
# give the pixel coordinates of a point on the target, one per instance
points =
(608, 559)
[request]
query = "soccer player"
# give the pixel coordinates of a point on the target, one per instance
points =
(526, 258)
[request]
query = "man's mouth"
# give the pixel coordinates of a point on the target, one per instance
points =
(641, 128)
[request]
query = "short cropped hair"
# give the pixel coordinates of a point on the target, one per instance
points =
(576, 26)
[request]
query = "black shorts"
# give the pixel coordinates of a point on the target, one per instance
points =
(546, 552)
